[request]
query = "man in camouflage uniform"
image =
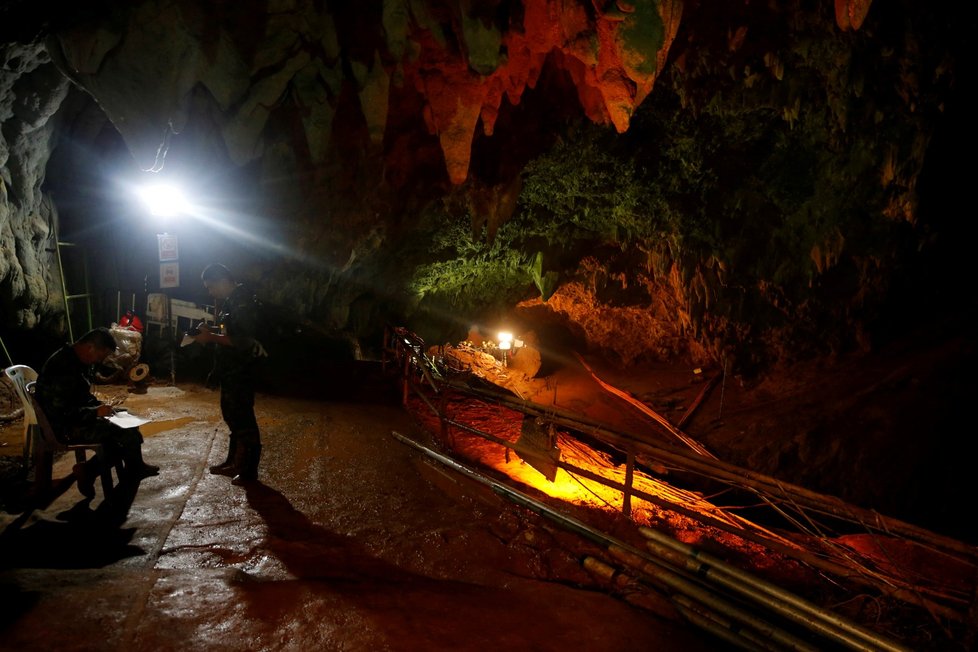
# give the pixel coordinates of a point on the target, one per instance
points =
(237, 353)
(64, 392)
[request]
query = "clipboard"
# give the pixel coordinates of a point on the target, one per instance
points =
(123, 419)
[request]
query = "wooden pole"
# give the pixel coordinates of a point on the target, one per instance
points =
(626, 498)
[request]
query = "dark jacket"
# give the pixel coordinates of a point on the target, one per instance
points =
(64, 392)
(238, 319)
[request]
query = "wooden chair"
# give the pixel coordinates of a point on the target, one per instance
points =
(40, 440)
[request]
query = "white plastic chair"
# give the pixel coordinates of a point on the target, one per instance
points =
(21, 376)
(40, 441)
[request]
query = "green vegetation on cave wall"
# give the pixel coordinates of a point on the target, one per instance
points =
(763, 193)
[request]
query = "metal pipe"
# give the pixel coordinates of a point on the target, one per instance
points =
(719, 627)
(686, 608)
(659, 573)
(707, 566)
(430, 405)
(759, 483)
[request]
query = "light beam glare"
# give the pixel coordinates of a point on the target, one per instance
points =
(224, 222)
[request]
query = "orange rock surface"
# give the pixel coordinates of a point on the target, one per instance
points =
(611, 74)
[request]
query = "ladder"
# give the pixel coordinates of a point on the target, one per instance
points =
(86, 295)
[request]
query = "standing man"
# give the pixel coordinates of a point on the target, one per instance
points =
(64, 391)
(234, 366)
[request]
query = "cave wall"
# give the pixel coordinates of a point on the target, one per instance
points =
(703, 179)
(31, 91)
(765, 203)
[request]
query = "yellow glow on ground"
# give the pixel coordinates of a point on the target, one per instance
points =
(506, 424)
(566, 486)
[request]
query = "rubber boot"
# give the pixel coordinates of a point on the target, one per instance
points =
(248, 468)
(135, 467)
(229, 466)
(85, 473)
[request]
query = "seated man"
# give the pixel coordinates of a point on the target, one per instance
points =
(63, 390)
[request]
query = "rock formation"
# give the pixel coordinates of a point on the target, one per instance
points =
(670, 178)
(31, 91)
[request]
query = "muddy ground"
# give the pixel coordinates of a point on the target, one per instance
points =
(353, 541)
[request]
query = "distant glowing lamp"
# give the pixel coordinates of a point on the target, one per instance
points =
(505, 343)
(164, 200)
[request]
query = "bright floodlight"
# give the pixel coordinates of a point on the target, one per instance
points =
(505, 340)
(164, 200)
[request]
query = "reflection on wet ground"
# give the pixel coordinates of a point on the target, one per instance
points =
(350, 542)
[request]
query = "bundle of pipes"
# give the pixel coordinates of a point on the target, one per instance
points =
(707, 591)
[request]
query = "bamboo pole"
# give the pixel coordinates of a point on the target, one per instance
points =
(722, 471)
(646, 410)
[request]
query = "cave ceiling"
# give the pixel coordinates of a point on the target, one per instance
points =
(706, 173)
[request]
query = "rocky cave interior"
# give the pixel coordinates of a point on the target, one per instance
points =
(771, 191)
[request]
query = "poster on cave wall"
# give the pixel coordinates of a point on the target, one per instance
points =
(169, 275)
(168, 247)
(169, 255)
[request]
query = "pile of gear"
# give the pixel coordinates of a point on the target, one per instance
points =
(123, 366)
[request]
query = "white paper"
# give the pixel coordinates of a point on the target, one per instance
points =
(188, 339)
(126, 420)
